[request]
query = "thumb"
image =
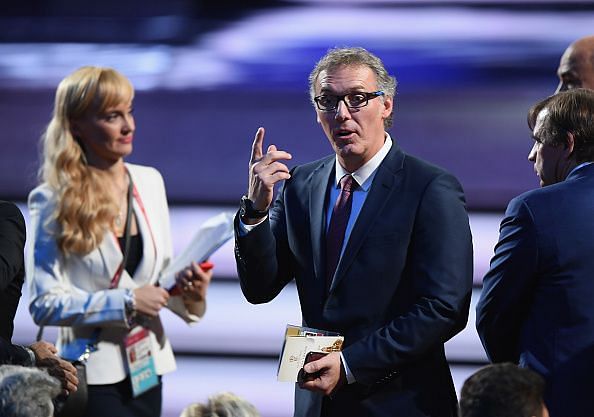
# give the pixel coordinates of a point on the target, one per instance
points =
(313, 367)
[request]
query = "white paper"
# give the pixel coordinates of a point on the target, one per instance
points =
(210, 236)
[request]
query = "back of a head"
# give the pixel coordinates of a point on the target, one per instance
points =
(224, 404)
(576, 67)
(26, 392)
(502, 390)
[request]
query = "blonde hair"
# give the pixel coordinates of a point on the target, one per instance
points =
(85, 208)
(224, 404)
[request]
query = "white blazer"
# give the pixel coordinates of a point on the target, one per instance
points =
(73, 292)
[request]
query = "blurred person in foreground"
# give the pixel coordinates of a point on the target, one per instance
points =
(12, 276)
(378, 243)
(503, 390)
(27, 392)
(101, 238)
(576, 68)
(225, 404)
(536, 304)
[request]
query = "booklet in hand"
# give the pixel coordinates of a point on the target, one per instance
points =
(304, 344)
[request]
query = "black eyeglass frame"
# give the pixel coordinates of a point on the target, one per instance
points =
(339, 98)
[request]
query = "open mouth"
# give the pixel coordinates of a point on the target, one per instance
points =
(344, 134)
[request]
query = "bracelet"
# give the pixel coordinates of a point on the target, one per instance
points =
(130, 306)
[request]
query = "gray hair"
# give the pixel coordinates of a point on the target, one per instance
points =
(27, 392)
(224, 404)
(340, 57)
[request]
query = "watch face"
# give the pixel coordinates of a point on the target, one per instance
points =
(242, 207)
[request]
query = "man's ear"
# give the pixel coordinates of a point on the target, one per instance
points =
(388, 107)
(569, 145)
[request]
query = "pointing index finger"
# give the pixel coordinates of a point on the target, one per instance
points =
(257, 145)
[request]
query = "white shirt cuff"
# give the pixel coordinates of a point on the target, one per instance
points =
(244, 229)
(349, 375)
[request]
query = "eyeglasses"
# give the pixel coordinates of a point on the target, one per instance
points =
(329, 102)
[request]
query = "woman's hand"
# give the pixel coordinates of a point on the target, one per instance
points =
(150, 300)
(193, 282)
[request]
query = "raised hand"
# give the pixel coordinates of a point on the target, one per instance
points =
(265, 171)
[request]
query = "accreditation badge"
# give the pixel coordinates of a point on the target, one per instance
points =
(140, 361)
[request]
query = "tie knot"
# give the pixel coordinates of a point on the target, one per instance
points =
(346, 183)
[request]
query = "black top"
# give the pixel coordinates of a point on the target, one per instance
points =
(134, 252)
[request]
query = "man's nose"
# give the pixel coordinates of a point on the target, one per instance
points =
(532, 153)
(342, 110)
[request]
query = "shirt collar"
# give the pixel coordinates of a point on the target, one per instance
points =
(364, 175)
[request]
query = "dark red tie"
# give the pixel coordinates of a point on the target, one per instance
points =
(338, 223)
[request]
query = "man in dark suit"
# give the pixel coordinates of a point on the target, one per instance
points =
(536, 307)
(378, 243)
(12, 276)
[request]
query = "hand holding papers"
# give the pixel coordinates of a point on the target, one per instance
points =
(175, 290)
(302, 343)
(209, 237)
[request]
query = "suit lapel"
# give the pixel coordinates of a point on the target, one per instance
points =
(142, 210)
(111, 255)
(388, 180)
(317, 197)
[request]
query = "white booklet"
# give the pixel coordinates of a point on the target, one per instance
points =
(209, 237)
(301, 345)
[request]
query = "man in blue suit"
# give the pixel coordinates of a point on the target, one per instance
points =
(537, 303)
(395, 280)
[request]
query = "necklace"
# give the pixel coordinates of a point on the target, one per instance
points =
(119, 219)
(123, 192)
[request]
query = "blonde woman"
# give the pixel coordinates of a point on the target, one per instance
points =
(101, 239)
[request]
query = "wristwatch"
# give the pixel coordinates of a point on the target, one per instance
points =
(247, 210)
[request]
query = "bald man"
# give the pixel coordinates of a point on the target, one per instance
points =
(576, 68)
